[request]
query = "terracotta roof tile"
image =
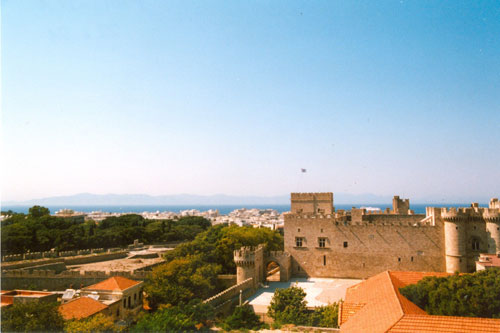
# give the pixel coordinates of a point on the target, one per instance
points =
(113, 283)
(82, 307)
(347, 310)
(426, 323)
(386, 310)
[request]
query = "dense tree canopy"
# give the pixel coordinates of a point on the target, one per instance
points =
(95, 324)
(192, 268)
(191, 316)
(467, 295)
(181, 280)
(38, 231)
(32, 317)
(217, 244)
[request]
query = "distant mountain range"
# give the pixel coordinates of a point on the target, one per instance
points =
(216, 199)
(189, 199)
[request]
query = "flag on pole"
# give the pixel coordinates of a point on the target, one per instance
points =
(303, 170)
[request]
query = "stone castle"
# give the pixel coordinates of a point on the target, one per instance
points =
(323, 242)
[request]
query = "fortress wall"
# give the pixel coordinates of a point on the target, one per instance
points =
(48, 280)
(58, 267)
(393, 218)
(95, 258)
(230, 292)
(77, 260)
(370, 249)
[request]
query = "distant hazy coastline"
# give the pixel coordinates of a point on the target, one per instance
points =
(223, 209)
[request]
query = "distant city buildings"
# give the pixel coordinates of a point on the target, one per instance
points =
(255, 217)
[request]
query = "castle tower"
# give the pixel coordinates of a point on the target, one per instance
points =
(249, 264)
(400, 206)
(492, 218)
(494, 203)
(312, 203)
(455, 240)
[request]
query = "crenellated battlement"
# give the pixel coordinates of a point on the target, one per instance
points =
(492, 214)
(21, 273)
(55, 254)
(245, 256)
(312, 195)
(473, 214)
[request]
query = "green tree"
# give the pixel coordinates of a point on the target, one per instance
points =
(180, 280)
(38, 211)
(325, 316)
(190, 316)
(466, 295)
(288, 306)
(243, 317)
(32, 317)
(98, 323)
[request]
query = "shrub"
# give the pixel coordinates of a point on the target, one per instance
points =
(243, 317)
(288, 306)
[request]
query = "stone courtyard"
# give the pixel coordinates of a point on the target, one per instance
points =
(319, 291)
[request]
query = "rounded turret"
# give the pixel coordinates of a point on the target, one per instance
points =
(492, 218)
(454, 234)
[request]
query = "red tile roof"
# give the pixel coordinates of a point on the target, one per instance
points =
(113, 283)
(386, 310)
(491, 260)
(82, 307)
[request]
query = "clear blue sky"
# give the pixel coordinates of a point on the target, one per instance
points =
(234, 97)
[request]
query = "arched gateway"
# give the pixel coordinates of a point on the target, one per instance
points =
(252, 262)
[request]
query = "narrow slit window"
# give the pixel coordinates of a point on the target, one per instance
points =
(324, 260)
(345, 244)
(399, 259)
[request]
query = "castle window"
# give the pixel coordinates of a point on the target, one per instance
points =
(321, 230)
(475, 244)
(399, 259)
(322, 242)
(324, 260)
(345, 244)
(411, 259)
(298, 230)
(298, 241)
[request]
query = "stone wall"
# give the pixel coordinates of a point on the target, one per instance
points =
(312, 202)
(53, 254)
(49, 280)
(224, 301)
(75, 260)
(363, 249)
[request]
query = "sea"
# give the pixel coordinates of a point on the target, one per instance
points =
(223, 209)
